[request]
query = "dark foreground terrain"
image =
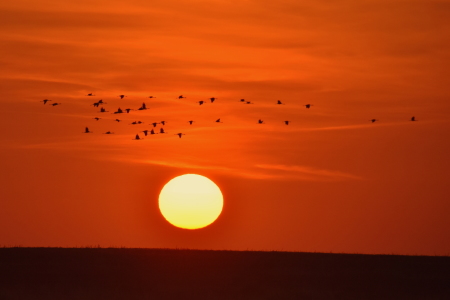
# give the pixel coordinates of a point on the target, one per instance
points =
(95, 273)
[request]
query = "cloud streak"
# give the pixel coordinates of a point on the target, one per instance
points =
(258, 171)
(306, 173)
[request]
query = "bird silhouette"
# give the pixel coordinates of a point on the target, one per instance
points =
(279, 102)
(163, 123)
(413, 118)
(242, 100)
(260, 121)
(218, 121)
(96, 104)
(308, 105)
(45, 101)
(117, 120)
(154, 124)
(102, 110)
(138, 137)
(86, 130)
(212, 99)
(109, 132)
(90, 94)
(248, 102)
(121, 96)
(96, 118)
(145, 132)
(200, 102)
(373, 120)
(119, 111)
(152, 132)
(128, 110)
(286, 122)
(151, 97)
(54, 104)
(143, 107)
(181, 97)
(161, 130)
(136, 123)
(180, 134)
(190, 122)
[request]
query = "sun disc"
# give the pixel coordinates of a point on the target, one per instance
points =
(190, 201)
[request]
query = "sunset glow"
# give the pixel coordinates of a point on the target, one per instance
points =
(325, 124)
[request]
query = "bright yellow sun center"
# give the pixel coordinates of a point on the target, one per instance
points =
(190, 201)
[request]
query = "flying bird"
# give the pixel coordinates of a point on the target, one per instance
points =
(413, 118)
(152, 132)
(117, 120)
(90, 94)
(181, 97)
(212, 99)
(96, 104)
(137, 137)
(119, 111)
(180, 134)
(163, 123)
(102, 110)
(218, 121)
(151, 97)
(373, 120)
(242, 100)
(286, 122)
(96, 118)
(279, 102)
(200, 102)
(248, 102)
(154, 124)
(45, 101)
(308, 105)
(161, 130)
(86, 130)
(109, 132)
(260, 121)
(128, 110)
(143, 107)
(121, 96)
(145, 132)
(190, 122)
(54, 104)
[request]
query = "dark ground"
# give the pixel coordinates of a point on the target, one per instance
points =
(113, 273)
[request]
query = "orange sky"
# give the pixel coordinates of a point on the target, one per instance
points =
(331, 181)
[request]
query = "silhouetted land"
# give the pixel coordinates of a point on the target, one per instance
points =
(114, 273)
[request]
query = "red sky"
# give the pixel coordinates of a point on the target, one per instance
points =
(331, 181)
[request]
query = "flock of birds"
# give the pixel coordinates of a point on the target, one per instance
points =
(154, 130)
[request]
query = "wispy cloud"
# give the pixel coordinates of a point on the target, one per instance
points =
(244, 171)
(305, 173)
(343, 127)
(259, 171)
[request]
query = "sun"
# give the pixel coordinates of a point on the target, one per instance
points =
(191, 201)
